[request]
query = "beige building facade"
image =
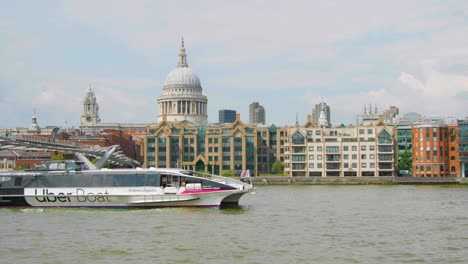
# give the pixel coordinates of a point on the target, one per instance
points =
(221, 148)
(305, 150)
(357, 151)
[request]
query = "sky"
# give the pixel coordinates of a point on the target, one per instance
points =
(286, 55)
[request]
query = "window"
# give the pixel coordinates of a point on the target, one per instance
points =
(331, 149)
(371, 147)
(345, 148)
(317, 132)
(319, 165)
(371, 156)
(363, 165)
(363, 156)
(319, 148)
(346, 165)
(319, 157)
(363, 147)
(354, 165)
(345, 156)
(311, 157)
(372, 165)
(354, 157)
(298, 138)
(354, 148)
(369, 131)
(452, 158)
(311, 165)
(384, 137)
(361, 131)
(311, 148)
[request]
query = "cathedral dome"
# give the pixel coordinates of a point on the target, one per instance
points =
(182, 98)
(182, 76)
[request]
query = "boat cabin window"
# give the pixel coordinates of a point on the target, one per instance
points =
(74, 166)
(131, 180)
(18, 181)
(170, 180)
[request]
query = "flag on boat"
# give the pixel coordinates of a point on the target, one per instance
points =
(245, 174)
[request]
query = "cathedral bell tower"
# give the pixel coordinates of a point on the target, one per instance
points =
(90, 113)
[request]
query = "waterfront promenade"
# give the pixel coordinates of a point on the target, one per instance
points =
(286, 180)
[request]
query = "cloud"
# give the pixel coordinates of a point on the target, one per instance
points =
(411, 54)
(437, 84)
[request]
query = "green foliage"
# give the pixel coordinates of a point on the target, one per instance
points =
(277, 167)
(405, 161)
(20, 168)
(57, 157)
(228, 173)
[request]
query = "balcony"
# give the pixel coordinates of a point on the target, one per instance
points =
(333, 158)
(298, 150)
(385, 149)
(333, 167)
(298, 167)
(386, 166)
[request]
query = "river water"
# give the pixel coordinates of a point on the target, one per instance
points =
(279, 224)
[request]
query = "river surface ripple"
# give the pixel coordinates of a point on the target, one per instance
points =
(279, 224)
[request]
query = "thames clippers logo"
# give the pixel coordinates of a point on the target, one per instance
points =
(76, 195)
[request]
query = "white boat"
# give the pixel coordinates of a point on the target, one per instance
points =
(81, 184)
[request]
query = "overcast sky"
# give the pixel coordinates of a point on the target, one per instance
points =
(286, 55)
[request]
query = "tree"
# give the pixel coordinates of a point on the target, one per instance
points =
(277, 167)
(57, 157)
(228, 173)
(405, 161)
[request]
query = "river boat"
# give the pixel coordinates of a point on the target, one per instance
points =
(81, 184)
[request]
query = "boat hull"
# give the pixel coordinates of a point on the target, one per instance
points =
(120, 197)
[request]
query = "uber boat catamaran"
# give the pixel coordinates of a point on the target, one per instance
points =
(83, 184)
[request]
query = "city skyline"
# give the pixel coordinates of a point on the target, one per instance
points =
(382, 54)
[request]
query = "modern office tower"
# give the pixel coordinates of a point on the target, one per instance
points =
(227, 116)
(316, 113)
(182, 98)
(404, 134)
(390, 114)
(461, 149)
(90, 113)
(256, 113)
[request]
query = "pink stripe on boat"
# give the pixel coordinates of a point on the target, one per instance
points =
(202, 191)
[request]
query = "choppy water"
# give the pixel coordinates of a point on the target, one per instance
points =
(280, 224)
